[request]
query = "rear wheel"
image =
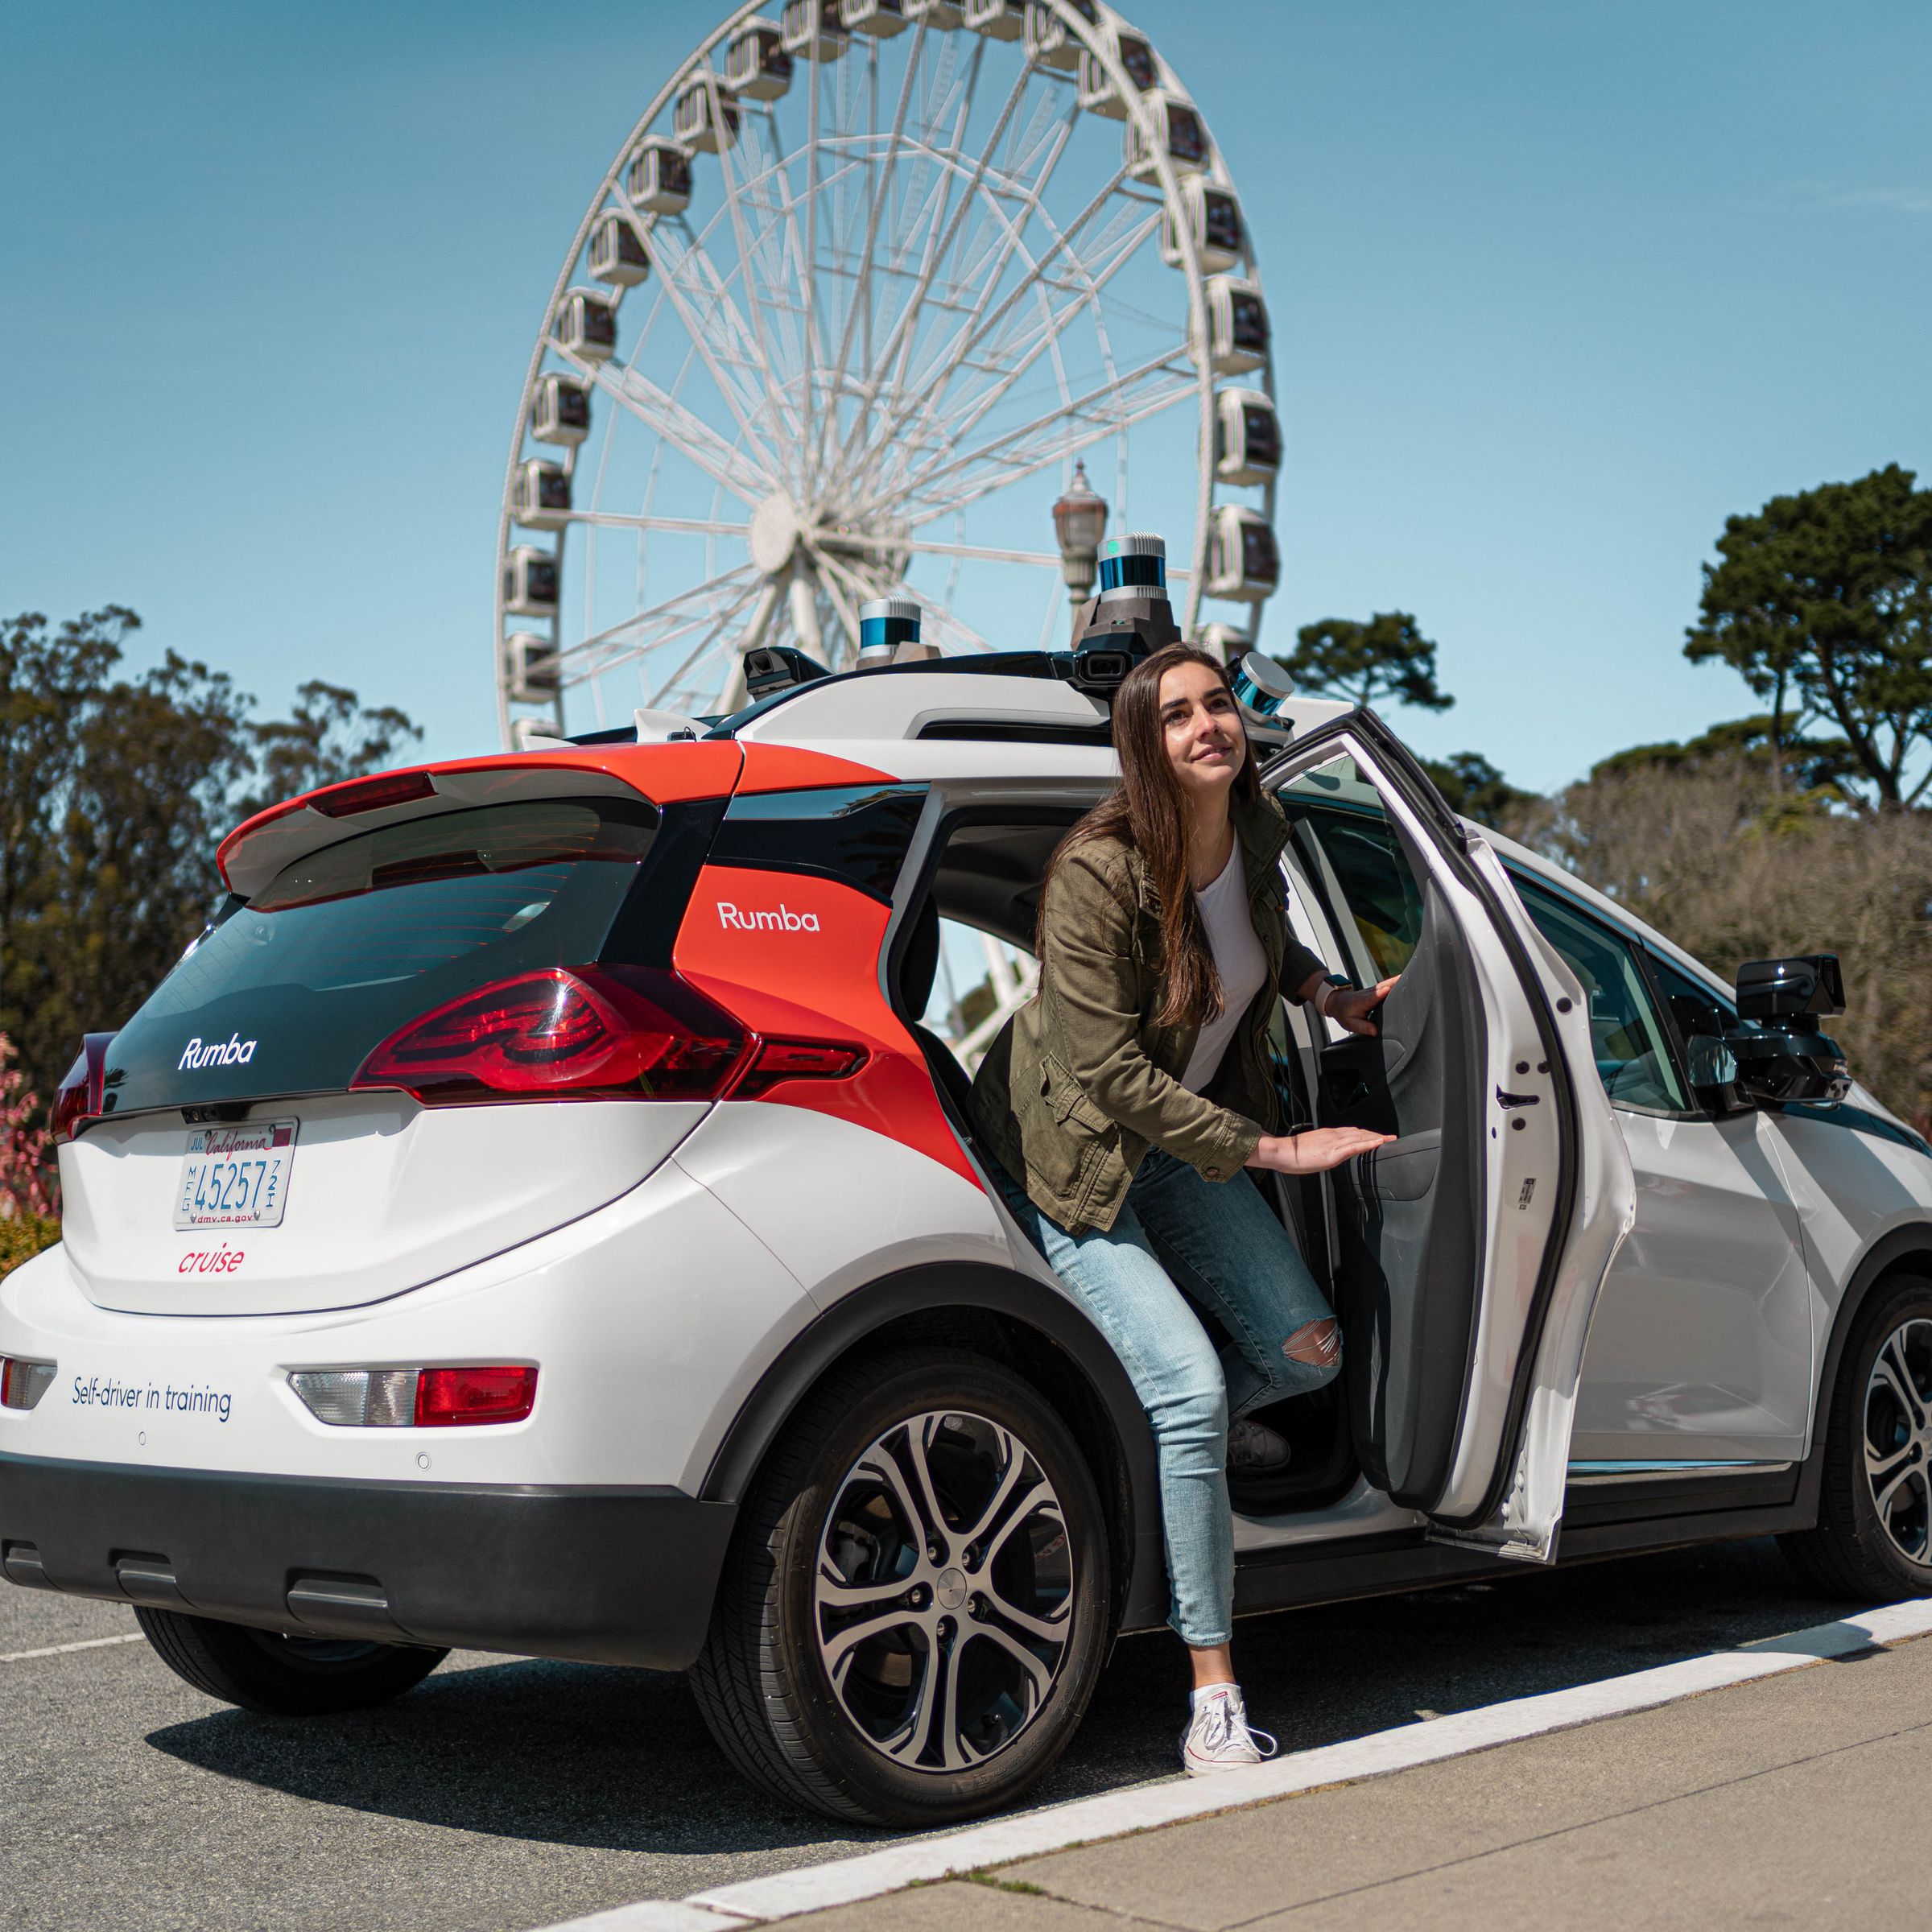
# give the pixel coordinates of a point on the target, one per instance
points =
(290, 1676)
(1874, 1534)
(914, 1613)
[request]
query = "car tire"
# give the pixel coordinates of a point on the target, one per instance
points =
(288, 1676)
(858, 1669)
(1873, 1540)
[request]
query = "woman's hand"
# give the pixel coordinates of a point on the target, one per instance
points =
(1353, 1009)
(1315, 1149)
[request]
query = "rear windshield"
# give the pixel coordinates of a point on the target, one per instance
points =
(288, 992)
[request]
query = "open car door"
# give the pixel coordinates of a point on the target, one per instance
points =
(1470, 1251)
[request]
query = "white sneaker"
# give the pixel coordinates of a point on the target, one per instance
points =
(1254, 1449)
(1218, 1737)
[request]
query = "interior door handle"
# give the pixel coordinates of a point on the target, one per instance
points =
(1516, 1100)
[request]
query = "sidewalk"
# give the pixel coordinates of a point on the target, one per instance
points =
(1801, 1800)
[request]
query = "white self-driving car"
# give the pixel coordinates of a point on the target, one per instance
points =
(534, 1217)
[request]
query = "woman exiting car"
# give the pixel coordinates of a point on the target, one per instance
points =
(1123, 1102)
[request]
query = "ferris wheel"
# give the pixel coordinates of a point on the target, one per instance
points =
(867, 285)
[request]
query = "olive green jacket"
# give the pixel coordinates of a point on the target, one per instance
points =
(1082, 1082)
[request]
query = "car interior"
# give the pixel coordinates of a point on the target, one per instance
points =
(1376, 1233)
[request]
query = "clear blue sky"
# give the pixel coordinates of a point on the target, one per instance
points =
(1554, 288)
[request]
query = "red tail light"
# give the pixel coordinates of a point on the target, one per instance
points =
(451, 1398)
(632, 1031)
(80, 1096)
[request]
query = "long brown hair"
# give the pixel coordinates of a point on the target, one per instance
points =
(1148, 811)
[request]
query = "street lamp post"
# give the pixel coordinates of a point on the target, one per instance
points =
(1080, 521)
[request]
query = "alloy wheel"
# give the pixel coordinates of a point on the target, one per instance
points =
(1898, 1438)
(943, 1595)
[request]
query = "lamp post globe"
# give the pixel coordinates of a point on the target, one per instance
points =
(1080, 521)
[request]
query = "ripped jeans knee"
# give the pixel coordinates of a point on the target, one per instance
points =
(1311, 1356)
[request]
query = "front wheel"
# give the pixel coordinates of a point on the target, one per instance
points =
(914, 1613)
(290, 1676)
(1874, 1534)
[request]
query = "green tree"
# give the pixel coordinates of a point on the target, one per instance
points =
(331, 737)
(1823, 768)
(1823, 601)
(1475, 789)
(114, 793)
(1386, 658)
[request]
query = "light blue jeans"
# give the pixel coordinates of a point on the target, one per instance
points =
(1219, 1243)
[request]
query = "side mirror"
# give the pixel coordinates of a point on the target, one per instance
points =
(1785, 1056)
(1709, 1061)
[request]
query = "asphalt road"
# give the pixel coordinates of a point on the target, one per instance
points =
(507, 1793)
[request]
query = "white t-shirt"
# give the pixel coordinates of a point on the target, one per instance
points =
(1238, 958)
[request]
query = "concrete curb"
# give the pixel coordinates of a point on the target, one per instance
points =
(1029, 1833)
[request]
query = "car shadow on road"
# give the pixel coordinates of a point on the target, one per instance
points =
(568, 1754)
(580, 1755)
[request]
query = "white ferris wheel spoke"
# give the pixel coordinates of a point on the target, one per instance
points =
(927, 400)
(777, 388)
(668, 263)
(922, 152)
(1048, 131)
(934, 612)
(905, 329)
(863, 432)
(619, 519)
(835, 577)
(762, 591)
(888, 583)
(672, 422)
(1010, 460)
(1107, 406)
(1114, 247)
(647, 653)
(858, 305)
(938, 234)
(794, 262)
(935, 446)
(980, 553)
(626, 629)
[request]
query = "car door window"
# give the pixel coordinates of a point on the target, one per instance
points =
(1347, 847)
(1627, 1031)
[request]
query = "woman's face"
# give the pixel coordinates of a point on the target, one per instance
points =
(1201, 731)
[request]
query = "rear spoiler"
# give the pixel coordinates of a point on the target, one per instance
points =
(665, 775)
(256, 850)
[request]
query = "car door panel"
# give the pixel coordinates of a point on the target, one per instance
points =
(1701, 1347)
(1471, 1249)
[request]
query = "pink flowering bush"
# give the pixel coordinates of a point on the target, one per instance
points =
(30, 1184)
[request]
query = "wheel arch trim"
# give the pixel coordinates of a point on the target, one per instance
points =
(1023, 1309)
(1906, 1250)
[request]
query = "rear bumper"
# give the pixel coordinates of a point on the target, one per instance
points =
(604, 1575)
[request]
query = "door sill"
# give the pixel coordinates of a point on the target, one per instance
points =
(1599, 1493)
(1608, 1471)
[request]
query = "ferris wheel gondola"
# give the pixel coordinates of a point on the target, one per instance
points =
(868, 281)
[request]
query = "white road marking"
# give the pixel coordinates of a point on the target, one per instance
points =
(91, 1643)
(1029, 1834)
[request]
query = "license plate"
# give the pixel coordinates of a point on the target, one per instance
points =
(235, 1177)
